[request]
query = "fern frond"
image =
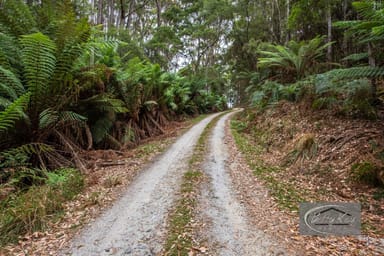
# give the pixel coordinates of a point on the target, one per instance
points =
(38, 57)
(356, 72)
(356, 57)
(47, 118)
(50, 117)
(100, 129)
(26, 149)
(70, 116)
(106, 102)
(9, 51)
(12, 113)
(9, 79)
(70, 52)
(7, 92)
(4, 103)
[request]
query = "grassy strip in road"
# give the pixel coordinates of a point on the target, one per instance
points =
(179, 241)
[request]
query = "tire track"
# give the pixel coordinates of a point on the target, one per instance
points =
(136, 224)
(229, 230)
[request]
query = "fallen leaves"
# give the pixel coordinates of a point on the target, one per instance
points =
(323, 178)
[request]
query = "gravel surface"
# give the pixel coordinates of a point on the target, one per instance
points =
(135, 225)
(229, 229)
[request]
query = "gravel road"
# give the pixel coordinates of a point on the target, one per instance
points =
(135, 225)
(229, 230)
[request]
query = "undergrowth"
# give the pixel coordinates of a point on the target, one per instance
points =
(31, 209)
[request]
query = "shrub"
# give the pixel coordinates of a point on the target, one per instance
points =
(68, 181)
(305, 148)
(367, 173)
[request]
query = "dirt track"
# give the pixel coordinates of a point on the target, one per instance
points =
(136, 224)
(230, 231)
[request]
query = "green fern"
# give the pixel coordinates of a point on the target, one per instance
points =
(27, 149)
(17, 17)
(50, 117)
(71, 51)
(106, 103)
(11, 84)
(371, 27)
(7, 92)
(4, 103)
(13, 112)
(296, 60)
(101, 129)
(355, 73)
(9, 52)
(38, 57)
(356, 57)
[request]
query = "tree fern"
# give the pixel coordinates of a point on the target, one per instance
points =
(12, 113)
(38, 57)
(297, 59)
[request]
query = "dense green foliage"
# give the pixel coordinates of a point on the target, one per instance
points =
(67, 85)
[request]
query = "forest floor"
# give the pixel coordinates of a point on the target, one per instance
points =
(126, 208)
(302, 155)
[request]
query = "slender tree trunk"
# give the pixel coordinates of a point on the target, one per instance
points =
(130, 13)
(248, 20)
(345, 38)
(329, 39)
(371, 58)
(288, 37)
(122, 14)
(372, 63)
(100, 18)
(111, 13)
(158, 11)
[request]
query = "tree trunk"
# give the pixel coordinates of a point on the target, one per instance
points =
(372, 63)
(111, 13)
(288, 36)
(345, 38)
(158, 11)
(130, 13)
(371, 58)
(100, 18)
(329, 39)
